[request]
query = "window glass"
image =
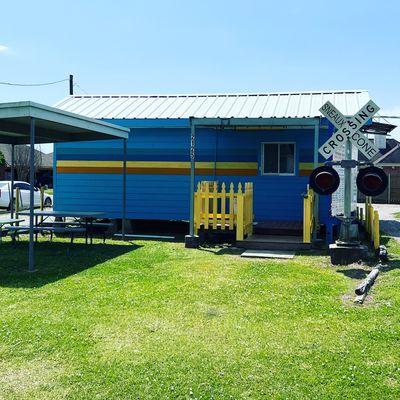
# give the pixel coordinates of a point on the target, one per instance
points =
(271, 156)
(286, 158)
(278, 158)
(24, 186)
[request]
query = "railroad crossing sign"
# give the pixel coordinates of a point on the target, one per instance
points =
(349, 129)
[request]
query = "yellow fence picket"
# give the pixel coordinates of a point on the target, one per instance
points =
(223, 205)
(231, 206)
(215, 205)
(206, 205)
(239, 215)
(214, 208)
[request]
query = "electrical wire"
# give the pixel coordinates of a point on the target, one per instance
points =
(389, 116)
(81, 88)
(382, 117)
(34, 84)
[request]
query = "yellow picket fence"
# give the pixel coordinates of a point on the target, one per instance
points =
(370, 218)
(216, 207)
(308, 215)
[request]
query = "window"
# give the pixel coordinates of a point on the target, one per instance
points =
(22, 186)
(278, 158)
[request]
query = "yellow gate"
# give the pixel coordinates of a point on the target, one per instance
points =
(215, 208)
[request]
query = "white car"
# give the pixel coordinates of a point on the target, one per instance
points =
(24, 195)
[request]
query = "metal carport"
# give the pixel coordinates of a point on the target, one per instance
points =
(31, 123)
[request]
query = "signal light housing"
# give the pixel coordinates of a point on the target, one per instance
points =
(372, 181)
(324, 180)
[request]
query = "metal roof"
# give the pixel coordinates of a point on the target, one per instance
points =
(261, 105)
(51, 125)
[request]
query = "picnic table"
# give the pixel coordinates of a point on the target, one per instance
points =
(82, 218)
(10, 221)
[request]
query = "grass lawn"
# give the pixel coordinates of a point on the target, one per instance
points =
(156, 321)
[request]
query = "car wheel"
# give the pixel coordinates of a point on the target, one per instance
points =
(47, 202)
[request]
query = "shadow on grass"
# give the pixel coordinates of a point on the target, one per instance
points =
(226, 249)
(53, 261)
(354, 273)
(220, 250)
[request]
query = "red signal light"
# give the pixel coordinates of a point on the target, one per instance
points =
(324, 180)
(372, 181)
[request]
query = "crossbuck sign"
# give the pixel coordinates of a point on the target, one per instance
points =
(348, 128)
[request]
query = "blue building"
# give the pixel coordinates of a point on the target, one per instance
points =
(269, 139)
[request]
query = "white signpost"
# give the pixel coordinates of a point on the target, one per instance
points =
(347, 134)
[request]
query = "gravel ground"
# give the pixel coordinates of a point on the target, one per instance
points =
(388, 222)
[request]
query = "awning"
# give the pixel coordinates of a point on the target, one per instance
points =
(52, 125)
(30, 123)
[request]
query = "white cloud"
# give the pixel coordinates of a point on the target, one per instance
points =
(3, 48)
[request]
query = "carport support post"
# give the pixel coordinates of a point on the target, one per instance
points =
(12, 181)
(192, 175)
(31, 265)
(124, 190)
(191, 241)
(316, 196)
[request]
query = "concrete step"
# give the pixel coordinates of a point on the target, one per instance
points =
(282, 254)
(273, 242)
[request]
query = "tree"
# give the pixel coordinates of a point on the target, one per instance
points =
(21, 159)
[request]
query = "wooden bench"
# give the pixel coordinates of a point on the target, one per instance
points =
(60, 223)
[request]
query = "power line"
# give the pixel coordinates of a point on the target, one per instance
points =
(389, 116)
(34, 84)
(80, 87)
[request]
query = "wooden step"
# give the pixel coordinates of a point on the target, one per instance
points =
(273, 242)
(285, 228)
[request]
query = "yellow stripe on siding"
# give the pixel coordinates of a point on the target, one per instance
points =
(156, 164)
(309, 165)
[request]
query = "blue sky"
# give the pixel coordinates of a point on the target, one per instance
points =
(201, 47)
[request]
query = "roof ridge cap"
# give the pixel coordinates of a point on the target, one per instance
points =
(275, 93)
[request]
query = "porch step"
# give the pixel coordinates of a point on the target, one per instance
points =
(273, 242)
(286, 228)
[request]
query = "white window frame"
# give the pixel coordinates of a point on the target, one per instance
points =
(279, 155)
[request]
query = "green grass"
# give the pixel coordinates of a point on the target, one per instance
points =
(156, 321)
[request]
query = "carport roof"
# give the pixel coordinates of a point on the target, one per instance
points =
(52, 125)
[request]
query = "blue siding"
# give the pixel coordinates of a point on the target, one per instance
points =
(167, 196)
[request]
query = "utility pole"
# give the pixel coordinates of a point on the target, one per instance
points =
(71, 85)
